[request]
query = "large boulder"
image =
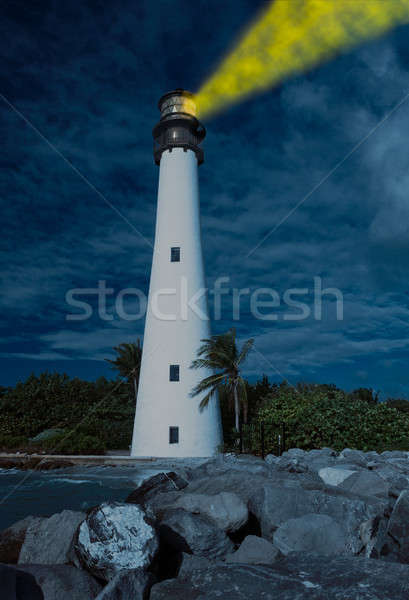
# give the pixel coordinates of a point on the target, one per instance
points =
(254, 550)
(226, 509)
(231, 481)
(12, 539)
(193, 534)
(116, 537)
(18, 585)
(356, 457)
(273, 506)
(365, 483)
(311, 533)
(50, 541)
(162, 482)
(398, 526)
(247, 464)
(127, 585)
(299, 576)
(191, 562)
(58, 582)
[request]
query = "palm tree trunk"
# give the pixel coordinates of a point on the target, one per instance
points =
(135, 387)
(236, 408)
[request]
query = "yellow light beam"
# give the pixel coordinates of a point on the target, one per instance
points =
(290, 37)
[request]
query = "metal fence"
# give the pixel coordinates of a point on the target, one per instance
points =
(262, 439)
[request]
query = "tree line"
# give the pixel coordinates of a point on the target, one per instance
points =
(85, 417)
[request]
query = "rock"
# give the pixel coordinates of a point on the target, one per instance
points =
(193, 534)
(12, 539)
(116, 537)
(254, 550)
(295, 453)
(127, 585)
(374, 537)
(365, 483)
(162, 482)
(398, 526)
(395, 454)
(191, 562)
(356, 457)
(18, 585)
(311, 533)
(273, 506)
(334, 475)
(226, 510)
(50, 541)
(247, 464)
(297, 577)
(271, 459)
(292, 464)
(231, 481)
(58, 582)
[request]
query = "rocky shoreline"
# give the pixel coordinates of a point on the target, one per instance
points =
(314, 525)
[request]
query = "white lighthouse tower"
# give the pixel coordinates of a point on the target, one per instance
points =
(168, 422)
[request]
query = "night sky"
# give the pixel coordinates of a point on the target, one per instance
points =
(87, 76)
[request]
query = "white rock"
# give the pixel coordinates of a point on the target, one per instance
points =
(334, 475)
(116, 537)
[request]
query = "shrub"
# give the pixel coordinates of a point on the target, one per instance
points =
(12, 443)
(317, 416)
(74, 443)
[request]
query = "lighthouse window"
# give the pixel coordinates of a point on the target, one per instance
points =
(173, 435)
(175, 254)
(174, 373)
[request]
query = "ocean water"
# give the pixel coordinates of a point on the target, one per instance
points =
(43, 493)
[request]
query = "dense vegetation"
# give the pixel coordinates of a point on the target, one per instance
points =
(94, 416)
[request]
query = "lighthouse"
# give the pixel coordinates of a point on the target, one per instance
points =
(168, 421)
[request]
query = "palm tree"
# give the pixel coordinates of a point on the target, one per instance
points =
(220, 353)
(128, 362)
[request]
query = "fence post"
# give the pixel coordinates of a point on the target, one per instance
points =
(241, 437)
(262, 439)
(283, 431)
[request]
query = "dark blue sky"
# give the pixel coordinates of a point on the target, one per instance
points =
(88, 75)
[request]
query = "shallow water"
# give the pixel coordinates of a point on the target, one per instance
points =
(43, 493)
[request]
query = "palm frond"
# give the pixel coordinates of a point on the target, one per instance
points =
(247, 346)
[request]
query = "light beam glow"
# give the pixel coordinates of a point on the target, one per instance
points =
(290, 37)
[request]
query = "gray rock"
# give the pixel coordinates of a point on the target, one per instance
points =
(294, 453)
(271, 459)
(230, 481)
(58, 582)
(127, 585)
(356, 457)
(398, 527)
(365, 483)
(273, 506)
(254, 550)
(162, 482)
(297, 577)
(116, 537)
(395, 454)
(226, 509)
(246, 464)
(12, 539)
(292, 464)
(191, 562)
(374, 538)
(193, 534)
(311, 533)
(18, 585)
(50, 541)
